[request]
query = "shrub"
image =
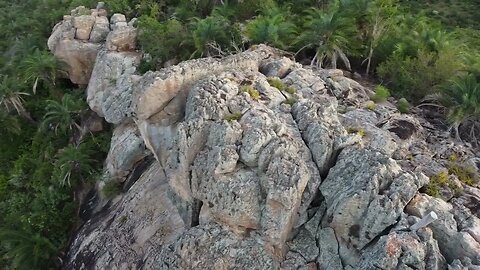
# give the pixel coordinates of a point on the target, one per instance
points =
(175, 41)
(290, 101)
(277, 83)
(466, 175)
(111, 189)
(214, 35)
(403, 106)
(254, 94)
(381, 93)
(416, 77)
(370, 105)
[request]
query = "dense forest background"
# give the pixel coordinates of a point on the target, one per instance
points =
(417, 51)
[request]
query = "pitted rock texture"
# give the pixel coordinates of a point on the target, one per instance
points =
(249, 175)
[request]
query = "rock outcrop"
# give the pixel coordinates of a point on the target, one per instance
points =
(258, 163)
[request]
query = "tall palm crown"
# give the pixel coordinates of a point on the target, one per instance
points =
(62, 115)
(330, 33)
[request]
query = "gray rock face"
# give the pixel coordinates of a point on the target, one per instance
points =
(251, 176)
(119, 236)
(110, 89)
(126, 149)
(456, 230)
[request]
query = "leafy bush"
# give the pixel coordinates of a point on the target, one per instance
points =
(176, 41)
(462, 98)
(73, 163)
(416, 77)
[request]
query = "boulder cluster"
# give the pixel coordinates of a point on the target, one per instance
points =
(254, 161)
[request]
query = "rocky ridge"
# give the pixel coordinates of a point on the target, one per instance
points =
(254, 161)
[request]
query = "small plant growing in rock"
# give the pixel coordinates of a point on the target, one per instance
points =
(403, 106)
(290, 101)
(233, 117)
(111, 189)
(371, 105)
(359, 131)
(277, 83)
(436, 181)
(291, 90)
(381, 93)
(254, 94)
(465, 174)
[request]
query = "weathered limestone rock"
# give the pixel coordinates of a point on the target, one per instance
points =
(456, 231)
(365, 193)
(122, 38)
(111, 85)
(83, 25)
(237, 180)
(69, 42)
(210, 247)
(126, 149)
(100, 30)
(159, 88)
(120, 236)
(403, 250)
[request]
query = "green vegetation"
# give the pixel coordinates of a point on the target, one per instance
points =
(371, 105)
(416, 49)
(45, 159)
(466, 175)
(290, 101)
(381, 93)
(111, 189)
(436, 182)
(254, 94)
(403, 106)
(233, 117)
(359, 131)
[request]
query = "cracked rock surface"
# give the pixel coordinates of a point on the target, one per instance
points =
(256, 162)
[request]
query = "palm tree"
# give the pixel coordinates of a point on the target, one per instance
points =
(27, 250)
(73, 161)
(212, 32)
(40, 66)
(63, 115)
(462, 99)
(10, 97)
(330, 34)
(273, 29)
